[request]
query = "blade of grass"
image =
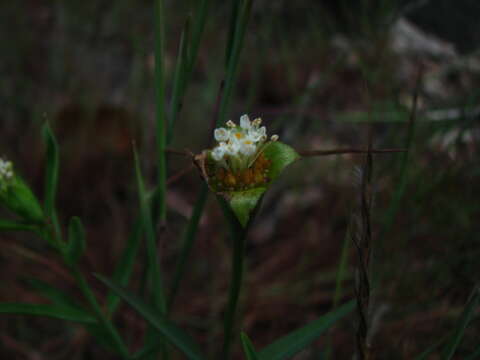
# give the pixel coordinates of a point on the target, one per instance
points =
(201, 15)
(289, 345)
(56, 296)
(54, 311)
(248, 348)
(467, 314)
(125, 266)
(187, 242)
(51, 179)
(161, 123)
(236, 44)
(6, 225)
(153, 261)
(173, 333)
(234, 15)
(179, 79)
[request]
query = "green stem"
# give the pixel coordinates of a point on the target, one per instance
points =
(238, 254)
(161, 128)
(92, 301)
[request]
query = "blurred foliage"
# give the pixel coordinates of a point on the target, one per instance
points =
(320, 73)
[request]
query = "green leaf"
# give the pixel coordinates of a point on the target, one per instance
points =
(289, 345)
(53, 311)
(171, 332)
(76, 241)
(244, 203)
(248, 348)
(56, 296)
(281, 155)
(467, 315)
(51, 177)
(6, 225)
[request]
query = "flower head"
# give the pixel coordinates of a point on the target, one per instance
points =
(6, 173)
(238, 159)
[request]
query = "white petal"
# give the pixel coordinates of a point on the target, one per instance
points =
(221, 134)
(245, 122)
(218, 153)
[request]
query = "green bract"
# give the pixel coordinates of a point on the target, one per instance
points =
(19, 199)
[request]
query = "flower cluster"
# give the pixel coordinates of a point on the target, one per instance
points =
(239, 146)
(238, 159)
(6, 173)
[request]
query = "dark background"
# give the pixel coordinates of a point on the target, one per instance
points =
(317, 72)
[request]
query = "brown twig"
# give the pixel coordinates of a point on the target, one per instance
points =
(307, 153)
(179, 174)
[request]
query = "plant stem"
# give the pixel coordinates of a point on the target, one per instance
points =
(239, 235)
(161, 128)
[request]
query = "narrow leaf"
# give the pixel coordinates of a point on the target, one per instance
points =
(248, 348)
(53, 311)
(171, 332)
(76, 241)
(51, 179)
(467, 315)
(153, 261)
(56, 296)
(289, 345)
(6, 225)
(125, 266)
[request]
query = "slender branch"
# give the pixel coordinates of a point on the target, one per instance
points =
(307, 153)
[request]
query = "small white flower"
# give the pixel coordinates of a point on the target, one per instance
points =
(231, 124)
(218, 153)
(6, 173)
(245, 122)
(274, 137)
(248, 148)
(221, 134)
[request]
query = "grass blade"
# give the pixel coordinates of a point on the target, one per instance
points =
(76, 241)
(56, 296)
(187, 242)
(161, 123)
(467, 315)
(61, 312)
(125, 266)
(248, 348)
(51, 176)
(171, 332)
(153, 261)
(6, 225)
(179, 79)
(289, 345)
(201, 15)
(233, 58)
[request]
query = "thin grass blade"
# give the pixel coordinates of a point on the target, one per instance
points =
(54, 311)
(289, 345)
(173, 333)
(467, 315)
(248, 348)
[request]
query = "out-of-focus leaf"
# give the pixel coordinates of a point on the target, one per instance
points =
(289, 345)
(53, 311)
(171, 332)
(248, 348)
(76, 241)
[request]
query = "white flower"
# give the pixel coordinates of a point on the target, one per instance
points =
(6, 173)
(221, 134)
(239, 146)
(245, 122)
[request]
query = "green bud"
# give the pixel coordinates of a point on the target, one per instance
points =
(16, 196)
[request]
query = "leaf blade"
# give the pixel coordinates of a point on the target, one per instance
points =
(53, 311)
(295, 341)
(171, 332)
